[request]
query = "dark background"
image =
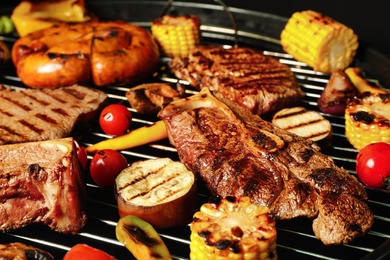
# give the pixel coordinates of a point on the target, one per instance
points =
(369, 19)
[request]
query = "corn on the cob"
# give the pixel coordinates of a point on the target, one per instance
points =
(233, 228)
(177, 35)
(319, 41)
(367, 120)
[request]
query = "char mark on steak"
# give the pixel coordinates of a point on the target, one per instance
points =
(244, 75)
(235, 152)
(44, 114)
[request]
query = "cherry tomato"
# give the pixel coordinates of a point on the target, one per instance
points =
(115, 119)
(373, 164)
(105, 165)
(82, 155)
(86, 252)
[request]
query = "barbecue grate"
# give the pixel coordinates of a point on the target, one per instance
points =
(259, 30)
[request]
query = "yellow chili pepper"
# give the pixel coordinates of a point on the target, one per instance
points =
(137, 137)
(360, 83)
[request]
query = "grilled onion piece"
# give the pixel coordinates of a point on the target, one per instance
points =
(306, 123)
(160, 191)
(336, 94)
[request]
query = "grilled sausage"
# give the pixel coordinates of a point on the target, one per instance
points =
(102, 52)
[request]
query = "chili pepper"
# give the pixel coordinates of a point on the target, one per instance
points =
(360, 83)
(141, 239)
(137, 137)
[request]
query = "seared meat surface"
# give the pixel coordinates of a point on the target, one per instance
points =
(44, 114)
(248, 77)
(237, 153)
(41, 182)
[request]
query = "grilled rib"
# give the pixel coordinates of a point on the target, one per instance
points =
(41, 182)
(45, 114)
(237, 154)
(244, 75)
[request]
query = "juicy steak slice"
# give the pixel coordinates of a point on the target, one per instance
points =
(237, 153)
(41, 182)
(250, 78)
(44, 114)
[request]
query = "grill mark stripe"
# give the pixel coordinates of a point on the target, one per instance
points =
(291, 114)
(46, 118)
(149, 175)
(302, 112)
(54, 96)
(41, 102)
(16, 103)
(6, 113)
(76, 94)
(31, 127)
(158, 185)
(60, 111)
(12, 132)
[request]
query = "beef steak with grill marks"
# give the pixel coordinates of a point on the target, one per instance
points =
(44, 114)
(237, 153)
(247, 76)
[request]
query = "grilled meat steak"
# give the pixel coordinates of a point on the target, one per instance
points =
(44, 114)
(237, 153)
(248, 77)
(41, 182)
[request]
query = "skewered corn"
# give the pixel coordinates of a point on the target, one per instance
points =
(319, 41)
(367, 119)
(177, 35)
(233, 228)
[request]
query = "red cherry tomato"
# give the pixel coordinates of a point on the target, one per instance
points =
(105, 165)
(373, 164)
(115, 119)
(82, 155)
(86, 252)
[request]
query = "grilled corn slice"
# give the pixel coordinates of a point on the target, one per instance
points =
(177, 35)
(319, 41)
(367, 119)
(233, 228)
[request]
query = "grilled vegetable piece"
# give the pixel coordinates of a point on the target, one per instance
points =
(31, 16)
(20, 251)
(318, 40)
(177, 35)
(149, 98)
(306, 123)
(161, 191)
(6, 25)
(134, 138)
(336, 94)
(367, 119)
(355, 75)
(84, 251)
(233, 228)
(141, 239)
